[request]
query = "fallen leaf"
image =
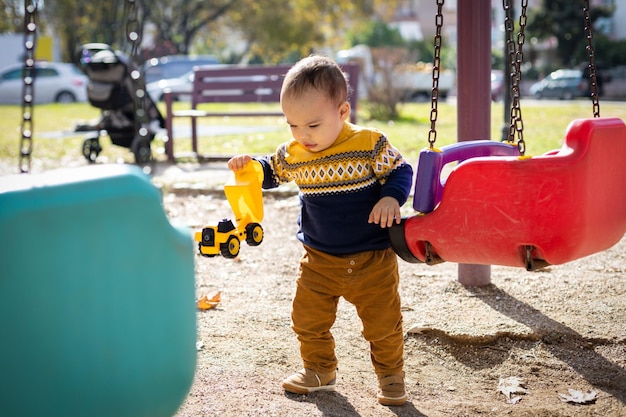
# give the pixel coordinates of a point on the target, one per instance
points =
(511, 385)
(206, 303)
(579, 397)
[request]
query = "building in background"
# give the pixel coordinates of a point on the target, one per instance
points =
(415, 19)
(12, 47)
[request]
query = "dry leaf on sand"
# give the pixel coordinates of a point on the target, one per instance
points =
(579, 397)
(511, 385)
(206, 303)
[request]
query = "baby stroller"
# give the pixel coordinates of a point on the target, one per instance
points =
(112, 89)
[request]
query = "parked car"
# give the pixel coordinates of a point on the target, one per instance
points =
(54, 82)
(174, 66)
(614, 84)
(409, 81)
(183, 83)
(563, 84)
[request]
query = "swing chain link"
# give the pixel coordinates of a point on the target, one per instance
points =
(132, 26)
(434, 98)
(516, 56)
(28, 91)
(593, 76)
(133, 30)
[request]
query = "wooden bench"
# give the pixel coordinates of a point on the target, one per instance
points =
(236, 84)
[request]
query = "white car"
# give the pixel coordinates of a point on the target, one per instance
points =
(156, 89)
(184, 84)
(55, 82)
(167, 67)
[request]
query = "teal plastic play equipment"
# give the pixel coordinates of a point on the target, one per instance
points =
(97, 311)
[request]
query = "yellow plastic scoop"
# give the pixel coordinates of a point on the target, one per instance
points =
(244, 193)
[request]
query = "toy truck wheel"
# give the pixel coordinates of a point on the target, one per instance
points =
(206, 255)
(230, 249)
(254, 234)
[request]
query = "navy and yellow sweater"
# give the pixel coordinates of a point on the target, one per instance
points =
(339, 187)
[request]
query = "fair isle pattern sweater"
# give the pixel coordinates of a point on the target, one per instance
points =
(339, 187)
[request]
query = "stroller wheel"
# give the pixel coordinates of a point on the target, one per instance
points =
(91, 148)
(141, 150)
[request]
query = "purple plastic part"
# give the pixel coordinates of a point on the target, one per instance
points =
(428, 183)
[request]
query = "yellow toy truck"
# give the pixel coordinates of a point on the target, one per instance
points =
(245, 197)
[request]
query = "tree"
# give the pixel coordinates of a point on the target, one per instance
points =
(608, 52)
(179, 22)
(279, 30)
(77, 22)
(564, 20)
(375, 34)
(11, 16)
(271, 30)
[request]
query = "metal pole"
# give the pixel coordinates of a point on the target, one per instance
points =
(474, 95)
(506, 98)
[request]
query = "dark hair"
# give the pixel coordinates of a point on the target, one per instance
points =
(317, 72)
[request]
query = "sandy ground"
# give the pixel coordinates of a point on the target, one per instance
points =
(539, 334)
(511, 348)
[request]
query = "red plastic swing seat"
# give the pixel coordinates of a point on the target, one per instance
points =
(528, 212)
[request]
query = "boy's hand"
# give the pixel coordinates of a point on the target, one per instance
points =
(385, 212)
(237, 162)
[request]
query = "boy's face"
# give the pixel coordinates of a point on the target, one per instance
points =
(315, 121)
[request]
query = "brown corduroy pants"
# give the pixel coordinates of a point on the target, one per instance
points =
(369, 281)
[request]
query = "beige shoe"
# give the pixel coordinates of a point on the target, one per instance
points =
(306, 381)
(392, 390)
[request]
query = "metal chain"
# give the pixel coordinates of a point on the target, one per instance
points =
(516, 57)
(519, 59)
(132, 26)
(133, 31)
(593, 78)
(28, 92)
(434, 98)
(510, 47)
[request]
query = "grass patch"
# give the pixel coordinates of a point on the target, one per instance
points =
(544, 127)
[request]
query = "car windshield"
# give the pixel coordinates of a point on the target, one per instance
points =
(169, 67)
(560, 74)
